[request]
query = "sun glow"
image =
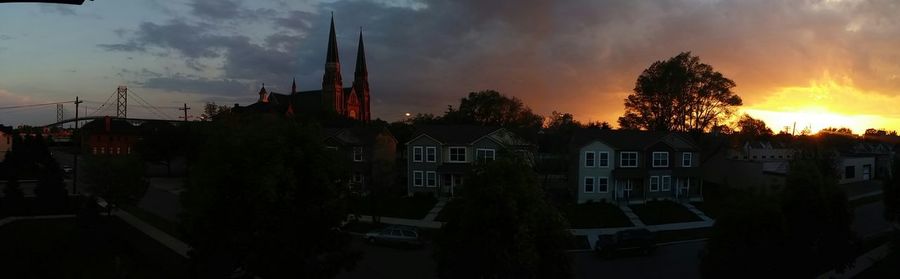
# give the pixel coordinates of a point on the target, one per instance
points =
(827, 103)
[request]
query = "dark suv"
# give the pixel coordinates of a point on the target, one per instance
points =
(642, 241)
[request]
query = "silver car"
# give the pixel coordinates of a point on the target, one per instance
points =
(401, 235)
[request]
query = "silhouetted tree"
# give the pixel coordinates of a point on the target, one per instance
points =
(752, 128)
(161, 144)
(51, 189)
(679, 94)
(494, 109)
(211, 111)
(266, 196)
(841, 130)
(504, 229)
(117, 179)
(13, 197)
(800, 233)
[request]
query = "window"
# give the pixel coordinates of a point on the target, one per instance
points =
(589, 159)
(357, 177)
(604, 159)
(482, 154)
(602, 184)
(417, 153)
(660, 159)
(102, 150)
(654, 183)
(333, 148)
(129, 150)
(588, 184)
(457, 154)
(118, 150)
(431, 179)
(431, 154)
(686, 159)
(357, 154)
(417, 178)
(667, 183)
(94, 150)
(628, 159)
(850, 172)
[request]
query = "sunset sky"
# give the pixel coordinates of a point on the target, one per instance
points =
(816, 63)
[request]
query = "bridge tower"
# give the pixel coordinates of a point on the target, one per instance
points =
(59, 113)
(122, 101)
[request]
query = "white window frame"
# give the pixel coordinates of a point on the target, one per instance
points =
(593, 184)
(450, 154)
(688, 158)
(654, 180)
(592, 162)
(600, 190)
(357, 151)
(421, 153)
(428, 180)
(600, 161)
(431, 154)
(420, 181)
(357, 177)
(622, 159)
(666, 183)
(486, 151)
(653, 159)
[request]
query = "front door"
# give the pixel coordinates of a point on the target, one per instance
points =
(629, 188)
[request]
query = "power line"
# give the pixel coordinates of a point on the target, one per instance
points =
(36, 105)
(164, 115)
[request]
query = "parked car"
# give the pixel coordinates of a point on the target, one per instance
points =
(641, 241)
(399, 235)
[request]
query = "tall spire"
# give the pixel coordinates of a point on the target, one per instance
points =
(263, 94)
(294, 86)
(332, 56)
(361, 69)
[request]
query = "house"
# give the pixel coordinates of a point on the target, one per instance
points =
(761, 150)
(882, 152)
(855, 168)
(109, 136)
(439, 156)
(6, 136)
(747, 164)
(635, 166)
(371, 151)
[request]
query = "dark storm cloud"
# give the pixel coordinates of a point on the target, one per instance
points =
(216, 9)
(580, 55)
(182, 83)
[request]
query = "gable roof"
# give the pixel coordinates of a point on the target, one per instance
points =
(631, 139)
(454, 134)
(357, 135)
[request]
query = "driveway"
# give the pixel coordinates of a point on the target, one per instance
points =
(869, 218)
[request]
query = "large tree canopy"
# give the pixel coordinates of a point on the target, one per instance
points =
(492, 108)
(505, 228)
(751, 127)
(266, 195)
(679, 94)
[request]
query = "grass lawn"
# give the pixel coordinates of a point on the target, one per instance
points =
(663, 212)
(59, 248)
(712, 210)
(594, 215)
(866, 200)
(415, 207)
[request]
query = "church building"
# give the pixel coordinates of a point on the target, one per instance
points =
(350, 102)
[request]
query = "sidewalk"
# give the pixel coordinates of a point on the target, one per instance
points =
(862, 263)
(631, 216)
(11, 219)
(593, 234)
(163, 238)
(436, 210)
(696, 211)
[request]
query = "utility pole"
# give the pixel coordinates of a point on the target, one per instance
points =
(185, 108)
(75, 164)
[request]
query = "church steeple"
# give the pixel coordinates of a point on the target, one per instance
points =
(332, 85)
(263, 94)
(361, 81)
(294, 86)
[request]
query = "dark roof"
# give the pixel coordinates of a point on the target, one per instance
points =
(6, 129)
(455, 134)
(117, 126)
(357, 135)
(332, 55)
(619, 139)
(360, 58)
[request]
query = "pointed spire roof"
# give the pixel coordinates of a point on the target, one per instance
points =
(361, 57)
(332, 56)
(263, 94)
(294, 86)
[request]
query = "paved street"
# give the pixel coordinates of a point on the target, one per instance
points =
(869, 218)
(390, 262)
(669, 261)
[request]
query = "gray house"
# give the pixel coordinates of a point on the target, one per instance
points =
(636, 166)
(439, 156)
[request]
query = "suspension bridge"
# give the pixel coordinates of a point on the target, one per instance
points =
(116, 105)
